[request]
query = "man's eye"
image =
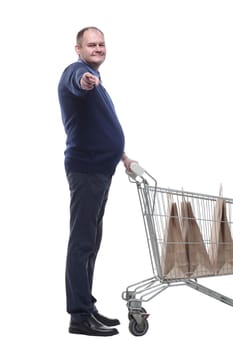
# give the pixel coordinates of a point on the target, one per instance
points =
(94, 45)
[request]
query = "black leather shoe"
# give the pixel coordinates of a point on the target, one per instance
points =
(110, 322)
(91, 326)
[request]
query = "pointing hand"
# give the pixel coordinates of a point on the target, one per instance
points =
(88, 81)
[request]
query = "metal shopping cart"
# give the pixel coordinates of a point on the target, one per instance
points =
(189, 237)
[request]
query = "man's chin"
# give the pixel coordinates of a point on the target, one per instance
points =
(96, 62)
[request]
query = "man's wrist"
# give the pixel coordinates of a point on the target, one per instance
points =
(124, 156)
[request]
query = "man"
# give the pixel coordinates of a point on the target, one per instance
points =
(94, 147)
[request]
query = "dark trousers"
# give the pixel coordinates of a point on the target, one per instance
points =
(88, 197)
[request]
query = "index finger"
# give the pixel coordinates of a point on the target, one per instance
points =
(89, 76)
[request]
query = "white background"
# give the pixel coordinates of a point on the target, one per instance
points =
(169, 72)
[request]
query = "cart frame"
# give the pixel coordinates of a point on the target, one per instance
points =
(145, 290)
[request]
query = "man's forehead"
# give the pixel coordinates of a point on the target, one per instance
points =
(92, 35)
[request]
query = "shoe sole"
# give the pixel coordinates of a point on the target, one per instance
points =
(102, 334)
(114, 324)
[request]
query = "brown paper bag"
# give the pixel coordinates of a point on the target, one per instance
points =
(174, 258)
(221, 247)
(198, 258)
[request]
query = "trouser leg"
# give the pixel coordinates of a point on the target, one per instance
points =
(87, 202)
(98, 242)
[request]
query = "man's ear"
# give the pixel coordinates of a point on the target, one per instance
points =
(77, 49)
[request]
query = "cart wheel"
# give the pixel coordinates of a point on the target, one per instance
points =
(138, 329)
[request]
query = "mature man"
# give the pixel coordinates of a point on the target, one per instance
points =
(94, 147)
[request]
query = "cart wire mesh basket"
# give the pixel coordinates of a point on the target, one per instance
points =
(189, 236)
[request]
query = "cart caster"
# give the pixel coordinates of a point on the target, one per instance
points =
(138, 324)
(138, 329)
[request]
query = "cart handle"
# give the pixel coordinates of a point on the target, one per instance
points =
(138, 174)
(135, 170)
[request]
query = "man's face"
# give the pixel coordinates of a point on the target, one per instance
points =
(92, 49)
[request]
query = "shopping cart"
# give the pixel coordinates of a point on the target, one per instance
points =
(188, 235)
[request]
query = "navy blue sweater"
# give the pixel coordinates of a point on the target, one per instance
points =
(95, 140)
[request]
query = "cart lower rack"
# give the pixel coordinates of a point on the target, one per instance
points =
(189, 236)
